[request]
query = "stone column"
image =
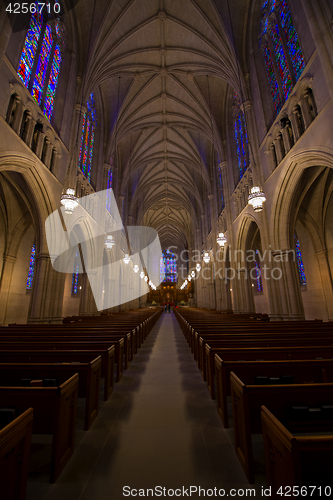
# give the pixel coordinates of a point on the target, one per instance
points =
(30, 132)
(39, 145)
(305, 112)
(278, 150)
(48, 153)
(326, 279)
(87, 301)
(286, 139)
(294, 125)
(291, 287)
(16, 125)
(5, 284)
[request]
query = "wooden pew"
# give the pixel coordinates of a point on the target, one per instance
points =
(298, 461)
(15, 441)
(59, 356)
(291, 351)
(11, 374)
(303, 371)
(246, 405)
(54, 413)
(47, 343)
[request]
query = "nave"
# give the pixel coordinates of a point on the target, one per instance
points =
(159, 427)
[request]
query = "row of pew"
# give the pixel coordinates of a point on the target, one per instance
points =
(279, 378)
(44, 369)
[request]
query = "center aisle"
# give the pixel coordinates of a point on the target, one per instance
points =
(159, 428)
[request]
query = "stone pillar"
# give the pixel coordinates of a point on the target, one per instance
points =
(326, 279)
(278, 150)
(47, 292)
(5, 284)
(305, 112)
(286, 139)
(16, 125)
(39, 145)
(30, 132)
(48, 153)
(290, 288)
(87, 301)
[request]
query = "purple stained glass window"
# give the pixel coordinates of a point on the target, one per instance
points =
(30, 48)
(271, 77)
(294, 49)
(258, 273)
(75, 277)
(53, 82)
(281, 60)
(299, 260)
(32, 264)
(43, 62)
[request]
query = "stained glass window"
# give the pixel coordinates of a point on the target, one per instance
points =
(290, 34)
(53, 82)
(88, 138)
(43, 62)
(240, 137)
(32, 264)
(281, 49)
(299, 260)
(41, 41)
(30, 48)
(168, 267)
(75, 277)
(281, 61)
(258, 273)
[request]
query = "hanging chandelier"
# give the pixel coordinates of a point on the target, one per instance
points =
(109, 242)
(142, 275)
(69, 201)
(198, 267)
(257, 198)
(221, 239)
(136, 268)
(193, 274)
(127, 258)
(206, 257)
(146, 279)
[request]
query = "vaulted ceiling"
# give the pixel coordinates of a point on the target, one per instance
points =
(164, 69)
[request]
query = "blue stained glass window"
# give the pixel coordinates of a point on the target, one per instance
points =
(258, 273)
(299, 260)
(75, 276)
(32, 264)
(240, 137)
(271, 77)
(168, 267)
(291, 36)
(30, 48)
(88, 138)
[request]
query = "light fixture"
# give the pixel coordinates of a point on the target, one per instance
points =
(69, 201)
(193, 274)
(150, 283)
(221, 240)
(146, 279)
(109, 242)
(206, 257)
(189, 278)
(136, 268)
(142, 274)
(198, 267)
(127, 258)
(257, 198)
(185, 282)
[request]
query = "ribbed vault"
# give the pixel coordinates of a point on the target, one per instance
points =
(164, 68)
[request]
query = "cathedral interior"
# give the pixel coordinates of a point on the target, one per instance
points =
(205, 121)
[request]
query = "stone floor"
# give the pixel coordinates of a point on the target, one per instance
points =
(159, 428)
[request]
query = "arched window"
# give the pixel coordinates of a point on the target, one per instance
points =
(168, 267)
(281, 50)
(87, 138)
(299, 261)
(40, 61)
(258, 279)
(242, 147)
(75, 276)
(32, 264)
